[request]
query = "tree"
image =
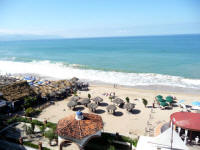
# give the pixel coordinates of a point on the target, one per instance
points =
(127, 99)
(50, 134)
(145, 102)
(89, 96)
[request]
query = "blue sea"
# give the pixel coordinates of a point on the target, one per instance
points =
(133, 61)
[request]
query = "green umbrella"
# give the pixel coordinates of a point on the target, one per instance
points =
(161, 100)
(159, 96)
(163, 104)
(169, 99)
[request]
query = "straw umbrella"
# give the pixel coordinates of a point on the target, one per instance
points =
(85, 101)
(129, 106)
(118, 101)
(92, 107)
(98, 100)
(75, 98)
(72, 104)
(111, 109)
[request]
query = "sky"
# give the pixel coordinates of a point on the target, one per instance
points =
(99, 18)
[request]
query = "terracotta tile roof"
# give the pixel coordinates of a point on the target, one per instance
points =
(78, 129)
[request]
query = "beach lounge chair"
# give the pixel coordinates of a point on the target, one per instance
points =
(184, 108)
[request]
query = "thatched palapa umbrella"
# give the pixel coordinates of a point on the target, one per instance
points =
(85, 101)
(111, 109)
(129, 106)
(72, 104)
(118, 101)
(75, 98)
(98, 100)
(92, 107)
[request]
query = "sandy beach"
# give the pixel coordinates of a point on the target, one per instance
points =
(129, 124)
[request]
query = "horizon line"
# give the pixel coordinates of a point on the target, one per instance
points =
(96, 37)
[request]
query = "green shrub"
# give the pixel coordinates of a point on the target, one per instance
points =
(51, 125)
(89, 96)
(30, 101)
(50, 135)
(127, 99)
(30, 112)
(36, 122)
(145, 102)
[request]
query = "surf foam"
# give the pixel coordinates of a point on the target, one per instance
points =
(62, 71)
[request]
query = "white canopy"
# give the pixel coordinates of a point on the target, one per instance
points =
(162, 141)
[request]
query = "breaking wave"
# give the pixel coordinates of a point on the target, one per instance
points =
(63, 71)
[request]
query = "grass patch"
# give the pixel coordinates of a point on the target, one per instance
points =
(29, 144)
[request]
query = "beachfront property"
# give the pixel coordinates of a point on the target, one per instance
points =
(97, 116)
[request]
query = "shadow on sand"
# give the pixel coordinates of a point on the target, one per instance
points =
(103, 104)
(100, 111)
(136, 111)
(79, 108)
(118, 113)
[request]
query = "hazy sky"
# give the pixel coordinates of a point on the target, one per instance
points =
(93, 18)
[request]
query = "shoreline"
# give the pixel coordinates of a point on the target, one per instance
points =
(152, 88)
(157, 88)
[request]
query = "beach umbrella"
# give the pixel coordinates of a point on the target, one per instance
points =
(163, 104)
(72, 104)
(75, 98)
(85, 101)
(196, 103)
(169, 99)
(118, 101)
(92, 106)
(161, 100)
(129, 106)
(98, 100)
(111, 108)
(159, 96)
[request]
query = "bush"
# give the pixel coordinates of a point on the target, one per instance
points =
(30, 112)
(51, 125)
(89, 96)
(145, 102)
(50, 135)
(30, 101)
(36, 122)
(127, 99)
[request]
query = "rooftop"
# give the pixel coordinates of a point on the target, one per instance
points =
(78, 129)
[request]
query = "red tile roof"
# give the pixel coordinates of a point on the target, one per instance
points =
(78, 129)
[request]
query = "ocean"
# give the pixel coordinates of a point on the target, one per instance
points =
(172, 60)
